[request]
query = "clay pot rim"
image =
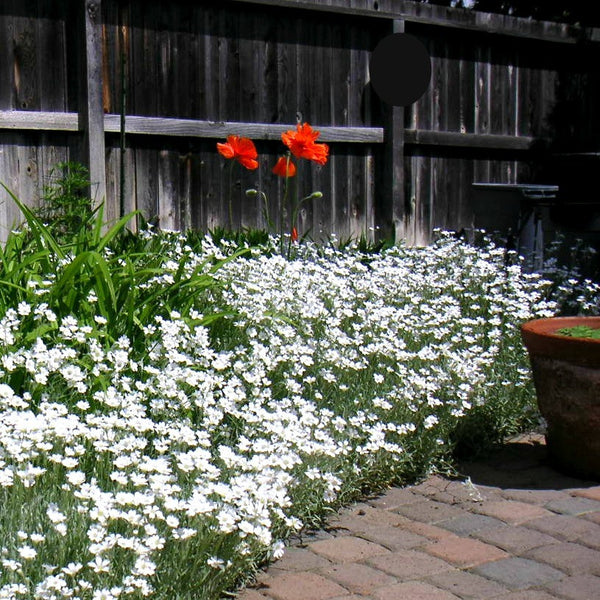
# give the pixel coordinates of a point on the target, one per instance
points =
(548, 327)
(540, 339)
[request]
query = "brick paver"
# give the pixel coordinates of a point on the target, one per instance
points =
(568, 557)
(300, 559)
(392, 538)
(518, 573)
(514, 539)
(515, 530)
(464, 552)
(432, 532)
(430, 511)
(592, 493)
(409, 564)
(467, 585)
(359, 519)
(357, 578)
(347, 549)
(563, 527)
(413, 590)
(591, 539)
(579, 587)
(539, 497)
(511, 511)
(351, 597)
(470, 523)
(574, 506)
(527, 595)
(594, 517)
(302, 585)
(394, 498)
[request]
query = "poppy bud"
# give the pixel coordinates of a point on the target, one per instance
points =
(284, 167)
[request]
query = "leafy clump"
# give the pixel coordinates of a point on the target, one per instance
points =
(581, 331)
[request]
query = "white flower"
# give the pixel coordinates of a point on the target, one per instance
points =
(277, 550)
(99, 565)
(37, 538)
(104, 594)
(72, 569)
(215, 562)
(11, 565)
(27, 552)
(69, 462)
(430, 421)
(76, 478)
(172, 521)
(24, 309)
(54, 514)
(144, 567)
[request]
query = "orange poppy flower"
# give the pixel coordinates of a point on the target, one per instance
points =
(284, 167)
(240, 148)
(294, 234)
(302, 143)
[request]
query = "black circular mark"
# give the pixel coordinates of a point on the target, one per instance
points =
(400, 69)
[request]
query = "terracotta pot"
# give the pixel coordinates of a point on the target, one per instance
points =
(566, 373)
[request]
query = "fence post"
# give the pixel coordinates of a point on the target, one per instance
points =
(91, 111)
(391, 198)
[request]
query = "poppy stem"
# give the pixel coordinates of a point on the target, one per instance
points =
(283, 203)
(230, 196)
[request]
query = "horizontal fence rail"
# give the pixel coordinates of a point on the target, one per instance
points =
(53, 121)
(141, 92)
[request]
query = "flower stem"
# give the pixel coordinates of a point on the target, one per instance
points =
(283, 202)
(230, 197)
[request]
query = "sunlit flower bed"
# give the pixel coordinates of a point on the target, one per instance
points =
(170, 470)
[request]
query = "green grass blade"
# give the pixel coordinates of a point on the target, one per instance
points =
(39, 230)
(115, 230)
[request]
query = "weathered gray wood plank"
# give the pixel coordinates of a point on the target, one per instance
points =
(467, 140)
(91, 112)
(39, 120)
(391, 199)
(260, 131)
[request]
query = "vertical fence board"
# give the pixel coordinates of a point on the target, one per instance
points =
(25, 56)
(466, 91)
(7, 70)
(91, 110)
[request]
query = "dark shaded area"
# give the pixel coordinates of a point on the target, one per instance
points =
(581, 12)
(520, 463)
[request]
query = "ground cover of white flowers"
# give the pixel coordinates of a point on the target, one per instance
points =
(165, 424)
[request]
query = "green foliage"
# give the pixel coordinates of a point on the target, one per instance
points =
(85, 266)
(581, 331)
(282, 389)
(66, 207)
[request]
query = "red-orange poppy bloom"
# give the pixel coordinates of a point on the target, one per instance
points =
(240, 148)
(284, 167)
(294, 234)
(302, 143)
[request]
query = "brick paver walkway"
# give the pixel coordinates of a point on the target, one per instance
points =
(515, 530)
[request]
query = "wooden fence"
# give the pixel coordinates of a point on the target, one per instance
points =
(185, 74)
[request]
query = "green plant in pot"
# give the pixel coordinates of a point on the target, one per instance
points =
(565, 361)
